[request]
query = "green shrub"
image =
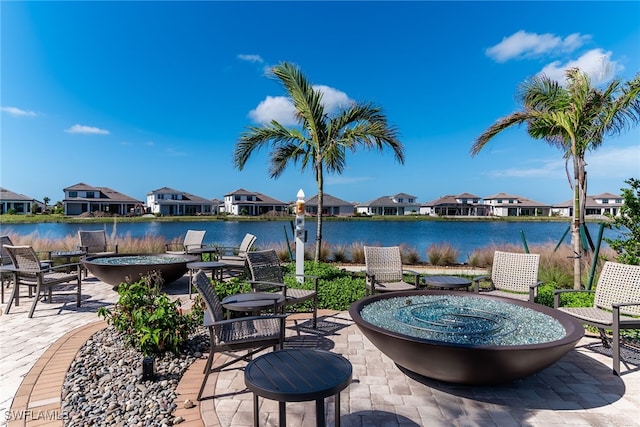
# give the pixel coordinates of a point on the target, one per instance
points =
(337, 289)
(567, 299)
(148, 319)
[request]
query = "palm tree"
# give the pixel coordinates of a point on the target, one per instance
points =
(575, 118)
(320, 141)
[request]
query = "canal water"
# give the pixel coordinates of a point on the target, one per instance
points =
(465, 236)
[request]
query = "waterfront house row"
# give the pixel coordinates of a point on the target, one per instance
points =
(84, 199)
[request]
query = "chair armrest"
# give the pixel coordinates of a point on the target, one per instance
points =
(624, 304)
(557, 292)
(282, 286)
(415, 275)
(208, 321)
(476, 282)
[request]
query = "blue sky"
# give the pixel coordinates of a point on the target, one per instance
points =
(140, 95)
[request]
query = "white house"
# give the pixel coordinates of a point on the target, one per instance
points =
(81, 198)
(595, 205)
(400, 204)
(330, 206)
(167, 201)
(243, 202)
(18, 203)
(464, 204)
(503, 204)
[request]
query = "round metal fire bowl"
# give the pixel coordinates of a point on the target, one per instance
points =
(129, 272)
(468, 364)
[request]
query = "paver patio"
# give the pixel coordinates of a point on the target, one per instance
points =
(578, 390)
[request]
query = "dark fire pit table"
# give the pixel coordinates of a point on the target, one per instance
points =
(298, 375)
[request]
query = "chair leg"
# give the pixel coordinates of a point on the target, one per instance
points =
(15, 293)
(35, 300)
(79, 293)
(616, 340)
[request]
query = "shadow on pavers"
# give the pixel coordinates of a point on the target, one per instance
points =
(375, 418)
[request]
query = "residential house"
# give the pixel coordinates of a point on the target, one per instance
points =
(243, 202)
(82, 198)
(400, 204)
(595, 205)
(464, 204)
(17, 203)
(330, 206)
(503, 204)
(170, 202)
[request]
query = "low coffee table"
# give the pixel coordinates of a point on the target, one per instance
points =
(298, 375)
(213, 266)
(447, 282)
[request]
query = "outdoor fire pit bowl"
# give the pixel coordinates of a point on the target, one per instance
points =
(115, 269)
(465, 339)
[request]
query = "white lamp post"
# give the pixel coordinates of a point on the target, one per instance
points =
(300, 235)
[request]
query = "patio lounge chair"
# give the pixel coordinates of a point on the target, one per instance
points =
(192, 240)
(254, 333)
(616, 305)
(95, 243)
(267, 276)
(384, 272)
(513, 275)
(29, 271)
(236, 257)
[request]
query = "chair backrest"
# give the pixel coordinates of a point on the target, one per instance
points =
(264, 266)
(385, 263)
(24, 258)
(93, 241)
(5, 258)
(208, 292)
(618, 283)
(246, 244)
(514, 271)
(193, 239)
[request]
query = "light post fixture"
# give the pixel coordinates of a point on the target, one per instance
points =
(301, 236)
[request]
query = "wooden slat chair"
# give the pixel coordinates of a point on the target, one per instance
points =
(513, 275)
(384, 272)
(253, 333)
(616, 305)
(29, 272)
(192, 240)
(266, 275)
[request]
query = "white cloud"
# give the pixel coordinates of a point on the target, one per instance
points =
(87, 129)
(523, 45)
(281, 109)
(543, 168)
(614, 162)
(250, 58)
(596, 63)
(14, 111)
(278, 108)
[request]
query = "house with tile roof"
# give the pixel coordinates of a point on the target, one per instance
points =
(171, 202)
(244, 202)
(82, 198)
(400, 204)
(596, 205)
(17, 203)
(331, 206)
(464, 204)
(503, 204)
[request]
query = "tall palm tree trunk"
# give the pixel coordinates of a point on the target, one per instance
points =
(320, 180)
(575, 226)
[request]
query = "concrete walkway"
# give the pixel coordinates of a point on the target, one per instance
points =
(578, 390)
